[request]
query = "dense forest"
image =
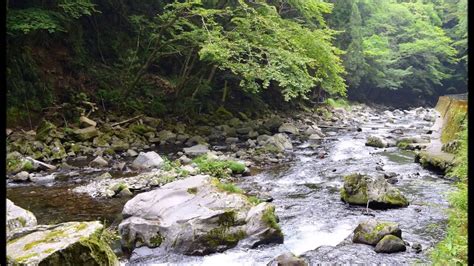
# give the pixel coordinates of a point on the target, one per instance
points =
(188, 57)
(236, 132)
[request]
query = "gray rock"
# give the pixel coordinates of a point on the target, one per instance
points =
(105, 175)
(243, 130)
(73, 243)
(21, 176)
(273, 123)
(417, 247)
(288, 128)
(194, 217)
(185, 160)
(231, 140)
(253, 134)
(99, 162)
(287, 259)
(390, 244)
(131, 153)
(372, 231)
(18, 217)
(148, 160)
(86, 133)
(196, 150)
(166, 136)
(280, 141)
(359, 189)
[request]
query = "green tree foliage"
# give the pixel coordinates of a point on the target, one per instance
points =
(253, 42)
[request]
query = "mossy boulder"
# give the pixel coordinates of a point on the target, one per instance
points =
(362, 189)
(73, 243)
(439, 161)
(197, 216)
(44, 129)
(376, 141)
(390, 244)
(17, 163)
(372, 231)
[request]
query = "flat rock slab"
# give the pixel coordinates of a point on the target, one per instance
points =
(73, 243)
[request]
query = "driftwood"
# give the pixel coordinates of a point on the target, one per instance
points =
(45, 165)
(125, 121)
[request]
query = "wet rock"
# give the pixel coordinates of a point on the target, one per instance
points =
(125, 192)
(73, 243)
(429, 117)
(388, 175)
(372, 231)
(210, 218)
(359, 189)
(99, 162)
(148, 160)
(18, 217)
(21, 177)
(86, 133)
(287, 259)
(417, 247)
(379, 168)
(87, 122)
(376, 141)
(390, 244)
(196, 150)
(288, 128)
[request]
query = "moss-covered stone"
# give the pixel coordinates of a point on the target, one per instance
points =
(44, 129)
(371, 231)
(355, 189)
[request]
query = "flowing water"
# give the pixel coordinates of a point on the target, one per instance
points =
(316, 223)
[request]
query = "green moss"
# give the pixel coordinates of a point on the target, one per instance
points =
(141, 129)
(49, 238)
(355, 189)
(403, 144)
(49, 250)
(229, 187)
(80, 226)
(99, 249)
(221, 236)
(25, 258)
(227, 219)
(22, 221)
(156, 240)
(270, 219)
(254, 200)
(338, 103)
(192, 190)
(218, 168)
(395, 199)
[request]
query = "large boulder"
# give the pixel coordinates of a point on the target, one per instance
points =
(287, 259)
(390, 244)
(146, 160)
(196, 150)
(73, 243)
(18, 217)
(197, 216)
(359, 189)
(371, 231)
